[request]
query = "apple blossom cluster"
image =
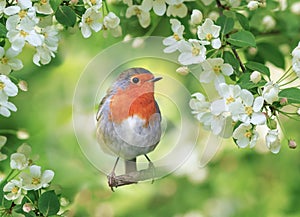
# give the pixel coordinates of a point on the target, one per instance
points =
(241, 108)
(25, 177)
(93, 20)
(7, 89)
(175, 8)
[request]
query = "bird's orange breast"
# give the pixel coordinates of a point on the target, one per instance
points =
(126, 104)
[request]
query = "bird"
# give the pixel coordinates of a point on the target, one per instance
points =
(129, 118)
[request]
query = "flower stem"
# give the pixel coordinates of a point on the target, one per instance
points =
(285, 75)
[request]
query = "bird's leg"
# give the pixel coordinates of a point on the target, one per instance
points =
(112, 175)
(151, 167)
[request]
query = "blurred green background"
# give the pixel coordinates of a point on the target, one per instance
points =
(236, 182)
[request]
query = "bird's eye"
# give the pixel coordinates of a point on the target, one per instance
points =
(135, 80)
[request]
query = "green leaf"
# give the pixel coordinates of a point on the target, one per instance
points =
(292, 94)
(255, 66)
(66, 16)
(3, 31)
(54, 4)
(242, 39)
(48, 203)
(226, 23)
(243, 21)
(231, 59)
(271, 53)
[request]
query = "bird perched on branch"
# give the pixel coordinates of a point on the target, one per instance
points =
(129, 119)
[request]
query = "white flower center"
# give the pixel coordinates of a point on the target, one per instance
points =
(249, 110)
(208, 36)
(22, 14)
(2, 85)
(230, 100)
(15, 190)
(176, 36)
(35, 181)
(217, 69)
(248, 134)
(89, 20)
(195, 51)
(4, 60)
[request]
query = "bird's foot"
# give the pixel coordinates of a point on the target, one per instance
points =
(111, 179)
(151, 167)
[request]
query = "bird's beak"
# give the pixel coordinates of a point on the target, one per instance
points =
(155, 79)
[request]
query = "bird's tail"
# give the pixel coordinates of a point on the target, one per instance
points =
(130, 166)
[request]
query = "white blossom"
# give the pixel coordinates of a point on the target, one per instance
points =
(176, 8)
(6, 107)
(174, 41)
(196, 17)
(2, 7)
(268, 22)
(43, 7)
(252, 109)
(253, 5)
(296, 60)
(3, 140)
(245, 135)
(8, 62)
(96, 4)
(214, 69)
(192, 52)
(14, 189)
(200, 107)
(141, 11)
(295, 8)
(90, 21)
(7, 88)
(112, 22)
(36, 179)
(210, 32)
(270, 92)
(18, 161)
(159, 7)
(273, 141)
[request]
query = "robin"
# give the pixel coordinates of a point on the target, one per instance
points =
(129, 119)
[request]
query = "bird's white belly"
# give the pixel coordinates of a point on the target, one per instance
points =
(132, 137)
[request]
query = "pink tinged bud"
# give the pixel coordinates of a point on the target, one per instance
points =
(255, 77)
(196, 17)
(292, 144)
(183, 70)
(27, 207)
(23, 85)
(283, 101)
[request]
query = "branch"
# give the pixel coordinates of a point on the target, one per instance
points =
(133, 177)
(238, 58)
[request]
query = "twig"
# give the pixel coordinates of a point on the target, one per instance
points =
(238, 58)
(132, 177)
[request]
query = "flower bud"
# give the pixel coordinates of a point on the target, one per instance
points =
(268, 22)
(138, 42)
(292, 144)
(22, 134)
(253, 5)
(27, 207)
(298, 111)
(295, 8)
(270, 92)
(255, 77)
(272, 124)
(196, 17)
(183, 70)
(283, 101)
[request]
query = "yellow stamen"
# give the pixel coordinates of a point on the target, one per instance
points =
(4, 60)
(43, 2)
(93, 2)
(217, 69)
(2, 85)
(195, 51)
(209, 36)
(23, 33)
(137, 11)
(22, 14)
(14, 190)
(249, 110)
(35, 181)
(177, 38)
(89, 21)
(178, 6)
(248, 134)
(230, 100)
